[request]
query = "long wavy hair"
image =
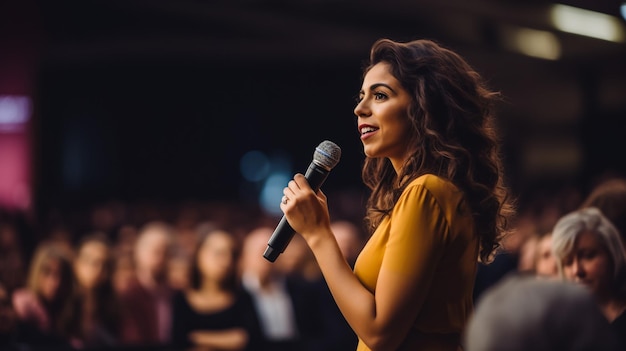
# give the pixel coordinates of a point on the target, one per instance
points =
(453, 136)
(106, 309)
(45, 253)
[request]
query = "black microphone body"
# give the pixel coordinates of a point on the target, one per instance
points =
(315, 175)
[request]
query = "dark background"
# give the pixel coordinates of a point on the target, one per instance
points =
(158, 100)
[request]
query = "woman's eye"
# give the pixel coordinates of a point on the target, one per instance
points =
(588, 254)
(380, 96)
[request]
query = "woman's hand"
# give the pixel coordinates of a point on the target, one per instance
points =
(306, 211)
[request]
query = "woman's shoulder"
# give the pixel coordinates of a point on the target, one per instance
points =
(436, 190)
(434, 184)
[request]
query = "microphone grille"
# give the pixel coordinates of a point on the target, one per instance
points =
(327, 155)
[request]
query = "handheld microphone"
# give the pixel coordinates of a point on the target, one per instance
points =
(325, 157)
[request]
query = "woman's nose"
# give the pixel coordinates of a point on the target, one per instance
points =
(577, 269)
(361, 109)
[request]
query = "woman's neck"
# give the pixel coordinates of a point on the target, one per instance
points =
(211, 286)
(612, 307)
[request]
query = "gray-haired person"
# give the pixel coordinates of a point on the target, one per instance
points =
(589, 251)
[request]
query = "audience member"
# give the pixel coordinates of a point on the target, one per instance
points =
(12, 256)
(48, 286)
(349, 238)
(609, 196)
(178, 267)
(544, 260)
(146, 302)
(288, 309)
(123, 252)
(522, 313)
(338, 335)
(214, 312)
(92, 318)
(9, 323)
(298, 262)
(589, 251)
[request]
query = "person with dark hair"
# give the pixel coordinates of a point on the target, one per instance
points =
(92, 317)
(9, 323)
(609, 196)
(215, 313)
(39, 303)
(438, 201)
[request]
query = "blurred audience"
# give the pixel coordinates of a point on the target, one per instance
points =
(123, 251)
(92, 317)
(156, 276)
(609, 196)
(9, 323)
(288, 308)
(544, 260)
(40, 302)
(298, 262)
(214, 312)
(146, 301)
(522, 313)
(12, 257)
(338, 335)
(589, 251)
(350, 239)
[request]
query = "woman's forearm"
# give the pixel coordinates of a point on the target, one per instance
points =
(357, 304)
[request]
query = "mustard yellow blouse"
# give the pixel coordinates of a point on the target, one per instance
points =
(429, 231)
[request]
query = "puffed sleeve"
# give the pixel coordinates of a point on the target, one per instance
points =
(417, 239)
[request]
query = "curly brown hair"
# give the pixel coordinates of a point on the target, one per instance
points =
(453, 136)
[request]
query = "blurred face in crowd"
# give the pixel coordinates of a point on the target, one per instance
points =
(347, 238)
(589, 264)
(216, 259)
(294, 257)
(152, 252)
(253, 261)
(50, 278)
(90, 265)
(545, 264)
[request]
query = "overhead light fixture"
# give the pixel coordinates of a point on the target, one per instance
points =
(532, 42)
(588, 23)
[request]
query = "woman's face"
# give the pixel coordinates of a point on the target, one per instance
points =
(545, 265)
(216, 259)
(50, 278)
(382, 112)
(90, 264)
(589, 264)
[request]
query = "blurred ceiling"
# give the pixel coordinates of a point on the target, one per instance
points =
(565, 93)
(301, 30)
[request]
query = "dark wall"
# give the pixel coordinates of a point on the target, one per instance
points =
(177, 130)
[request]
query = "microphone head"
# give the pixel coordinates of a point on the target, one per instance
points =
(327, 155)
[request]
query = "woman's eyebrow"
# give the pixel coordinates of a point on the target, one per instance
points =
(377, 85)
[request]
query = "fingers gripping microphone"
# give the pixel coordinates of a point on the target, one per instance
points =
(325, 157)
